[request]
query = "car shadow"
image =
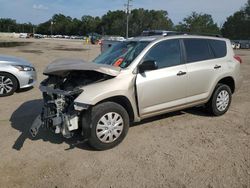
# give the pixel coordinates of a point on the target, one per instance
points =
(157, 118)
(198, 111)
(23, 117)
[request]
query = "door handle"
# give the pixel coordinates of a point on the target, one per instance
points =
(181, 73)
(217, 67)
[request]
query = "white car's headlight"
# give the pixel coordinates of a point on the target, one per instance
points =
(24, 68)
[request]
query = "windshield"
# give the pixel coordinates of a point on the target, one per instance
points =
(121, 54)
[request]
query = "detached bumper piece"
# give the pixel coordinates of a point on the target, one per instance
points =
(35, 126)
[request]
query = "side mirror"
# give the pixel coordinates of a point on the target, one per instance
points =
(147, 66)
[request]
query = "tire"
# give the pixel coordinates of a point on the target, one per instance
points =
(8, 84)
(109, 124)
(220, 100)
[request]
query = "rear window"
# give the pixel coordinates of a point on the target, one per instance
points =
(219, 48)
(197, 50)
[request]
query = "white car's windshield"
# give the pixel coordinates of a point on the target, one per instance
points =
(122, 54)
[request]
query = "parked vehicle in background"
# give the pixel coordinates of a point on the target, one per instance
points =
(38, 36)
(72, 37)
(15, 73)
(109, 41)
(233, 45)
(23, 35)
(134, 80)
(241, 44)
(244, 45)
(237, 46)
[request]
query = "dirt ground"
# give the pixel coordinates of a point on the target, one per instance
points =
(182, 149)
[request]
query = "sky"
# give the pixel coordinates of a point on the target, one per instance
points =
(38, 11)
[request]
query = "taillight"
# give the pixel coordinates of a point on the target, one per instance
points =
(238, 58)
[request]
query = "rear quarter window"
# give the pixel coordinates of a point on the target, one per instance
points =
(219, 48)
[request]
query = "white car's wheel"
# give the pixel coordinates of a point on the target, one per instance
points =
(8, 84)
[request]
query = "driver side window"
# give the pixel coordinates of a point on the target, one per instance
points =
(166, 53)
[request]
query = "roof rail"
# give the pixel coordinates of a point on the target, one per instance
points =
(207, 34)
(201, 34)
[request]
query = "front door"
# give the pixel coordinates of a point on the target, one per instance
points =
(164, 88)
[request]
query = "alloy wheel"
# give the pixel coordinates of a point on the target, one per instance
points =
(6, 85)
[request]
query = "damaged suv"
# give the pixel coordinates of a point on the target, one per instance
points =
(137, 79)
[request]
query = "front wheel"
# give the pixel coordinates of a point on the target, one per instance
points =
(220, 100)
(8, 84)
(109, 125)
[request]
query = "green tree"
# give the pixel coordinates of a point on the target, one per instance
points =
(89, 24)
(149, 20)
(198, 23)
(44, 28)
(247, 8)
(76, 25)
(62, 25)
(237, 26)
(114, 23)
(7, 25)
(10, 25)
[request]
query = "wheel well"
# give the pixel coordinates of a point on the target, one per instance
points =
(18, 84)
(124, 102)
(228, 81)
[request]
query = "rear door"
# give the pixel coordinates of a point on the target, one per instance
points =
(204, 60)
(160, 89)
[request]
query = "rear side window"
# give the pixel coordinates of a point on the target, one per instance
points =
(197, 50)
(219, 48)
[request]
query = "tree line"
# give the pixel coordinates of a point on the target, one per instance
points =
(237, 26)
(112, 23)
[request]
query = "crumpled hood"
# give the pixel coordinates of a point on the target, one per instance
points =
(14, 60)
(61, 67)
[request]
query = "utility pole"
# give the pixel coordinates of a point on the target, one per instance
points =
(51, 28)
(128, 6)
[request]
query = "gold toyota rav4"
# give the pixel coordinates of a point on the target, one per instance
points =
(137, 79)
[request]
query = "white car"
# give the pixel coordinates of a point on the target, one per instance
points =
(23, 35)
(15, 73)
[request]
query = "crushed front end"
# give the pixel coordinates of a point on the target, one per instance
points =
(59, 113)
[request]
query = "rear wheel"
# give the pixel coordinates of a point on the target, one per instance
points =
(8, 84)
(109, 125)
(221, 100)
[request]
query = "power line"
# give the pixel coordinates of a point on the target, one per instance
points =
(128, 6)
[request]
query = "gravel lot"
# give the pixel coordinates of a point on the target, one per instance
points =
(182, 149)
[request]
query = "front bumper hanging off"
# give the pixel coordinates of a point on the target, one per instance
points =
(36, 126)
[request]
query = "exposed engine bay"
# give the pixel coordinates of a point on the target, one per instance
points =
(59, 113)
